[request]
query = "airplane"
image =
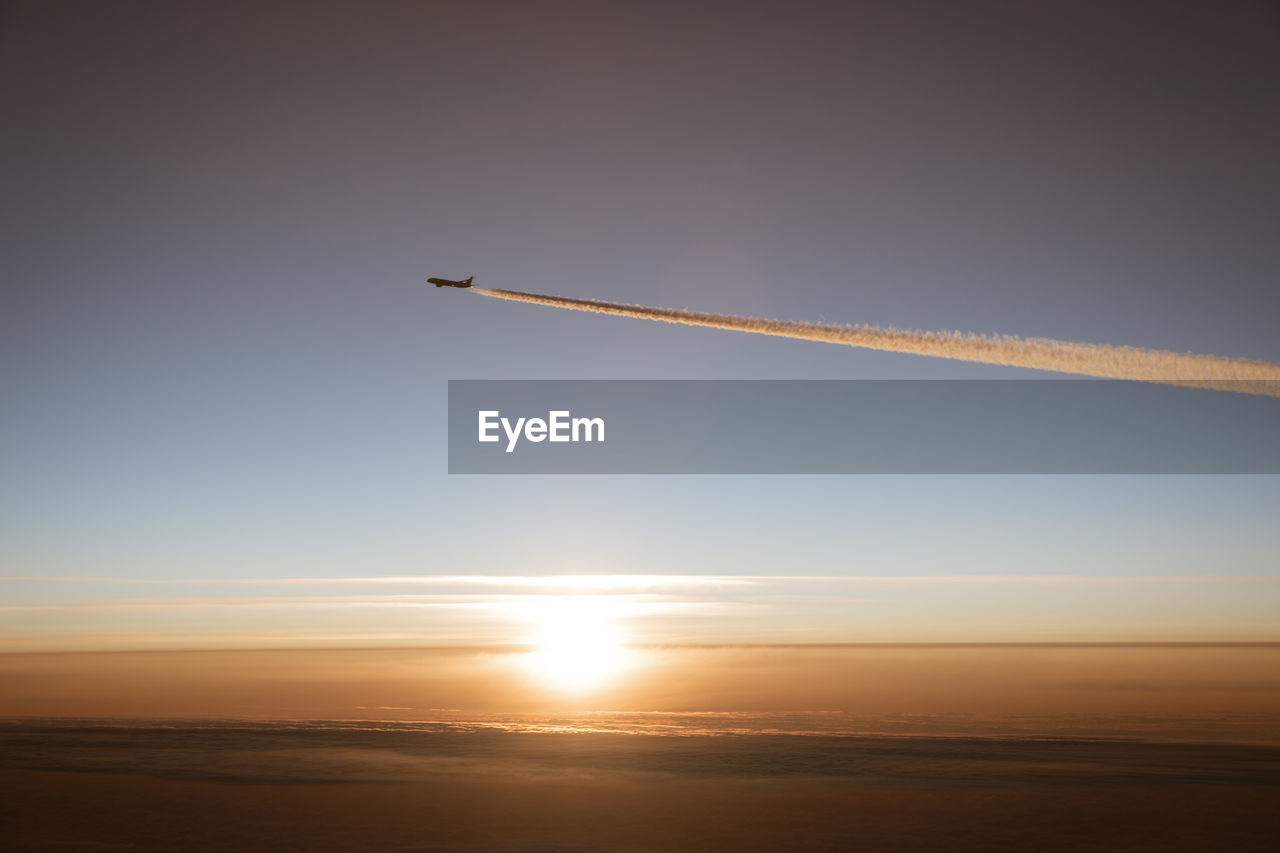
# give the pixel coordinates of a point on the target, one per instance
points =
(446, 282)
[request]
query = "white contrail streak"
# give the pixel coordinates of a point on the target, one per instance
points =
(1103, 360)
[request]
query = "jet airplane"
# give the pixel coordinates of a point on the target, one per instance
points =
(448, 282)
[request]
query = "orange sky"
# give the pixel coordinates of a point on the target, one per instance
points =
(416, 684)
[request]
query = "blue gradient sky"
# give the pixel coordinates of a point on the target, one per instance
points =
(218, 359)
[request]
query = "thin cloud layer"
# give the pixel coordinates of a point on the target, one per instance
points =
(72, 613)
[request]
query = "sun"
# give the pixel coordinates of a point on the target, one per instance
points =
(578, 646)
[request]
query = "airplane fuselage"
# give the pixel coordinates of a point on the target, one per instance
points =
(448, 282)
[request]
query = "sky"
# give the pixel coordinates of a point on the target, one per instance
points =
(221, 371)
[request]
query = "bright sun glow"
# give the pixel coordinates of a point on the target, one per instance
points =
(578, 646)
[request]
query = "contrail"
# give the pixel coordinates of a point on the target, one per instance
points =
(1102, 360)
